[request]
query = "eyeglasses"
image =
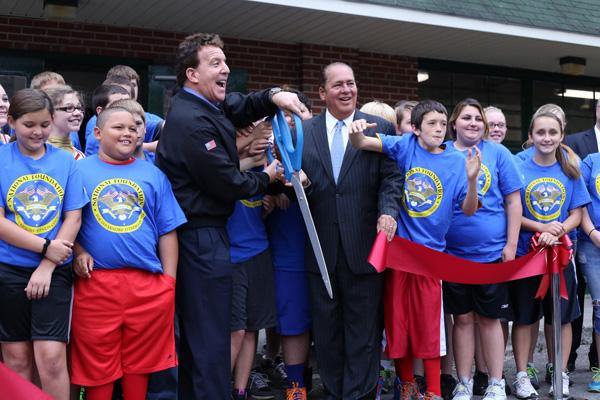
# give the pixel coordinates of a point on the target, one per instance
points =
(71, 109)
(500, 125)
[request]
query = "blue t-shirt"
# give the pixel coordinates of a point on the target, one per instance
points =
(590, 172)
(433, 185)
(75, 140)
(525, 154)
(287, 236)
(548, 194)
(482, 237)
(92, 145)
(246, 230)
(132, 206)
(35, 194)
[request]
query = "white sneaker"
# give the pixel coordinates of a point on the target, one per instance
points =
(495, 391)
(523, 387)
(463, 390)
(565, 386)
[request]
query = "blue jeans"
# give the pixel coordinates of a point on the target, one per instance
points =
(588, 259)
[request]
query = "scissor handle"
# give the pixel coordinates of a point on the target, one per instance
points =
(291, 155)
(269, 152)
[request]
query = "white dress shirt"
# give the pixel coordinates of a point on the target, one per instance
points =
(330, 122)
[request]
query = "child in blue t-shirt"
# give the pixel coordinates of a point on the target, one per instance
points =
(124, 297)
(553, 196)
(490, 236)
(436, 180)
(41, 196)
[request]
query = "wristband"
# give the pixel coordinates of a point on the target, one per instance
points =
(45, 248)
(590, 234)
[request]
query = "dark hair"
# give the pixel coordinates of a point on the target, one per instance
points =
(323, 77)
(107, 112)
(119, 80)
(187, 52)
(124, 71)
(28, 101)
(423, 107)
(400, 107)
(568, 160)
(458, 109)
(103, 92)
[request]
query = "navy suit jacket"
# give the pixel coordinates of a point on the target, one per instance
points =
(583, 143)
(345, 215)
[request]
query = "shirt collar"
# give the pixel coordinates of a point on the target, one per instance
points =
(331, 120)
(198, 95)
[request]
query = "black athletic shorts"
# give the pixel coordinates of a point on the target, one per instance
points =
(25, 320)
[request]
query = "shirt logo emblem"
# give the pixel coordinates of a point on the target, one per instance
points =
(118, 205)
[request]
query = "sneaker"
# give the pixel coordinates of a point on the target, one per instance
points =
(532, 374)
(565, 386)
(495, 391)
(275, 371)
(259, 387)
(549, 369)
(422, 383)
(448, 384)
(594, 386)
(296, 393)
(431, 396)
(523, 387)
(480, 383)
(379, 386)
(463, 391)
(236, 396)
(406, 390)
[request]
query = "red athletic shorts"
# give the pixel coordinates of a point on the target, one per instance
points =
(414, 321)
(122, 324)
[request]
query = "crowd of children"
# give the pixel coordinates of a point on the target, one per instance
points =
(89, 247)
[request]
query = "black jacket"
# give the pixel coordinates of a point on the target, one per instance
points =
(197, 152)
(582, 143)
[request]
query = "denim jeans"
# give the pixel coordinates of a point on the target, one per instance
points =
(588, 259)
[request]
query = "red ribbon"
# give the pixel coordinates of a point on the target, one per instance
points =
(16, 388)
(403, 255)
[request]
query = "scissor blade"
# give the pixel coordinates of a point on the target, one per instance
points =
(312, 232)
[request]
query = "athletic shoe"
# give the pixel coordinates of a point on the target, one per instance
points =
(275, 371)
(422, 383)
(549, 370)
(565, 386)
(406, 390)
(532, 374)
(463, 391)
(448, 385)
(480, 383)
(594, 386)
(296, 393)
(379, 386)
(495, 391)
(523, 387)
(431, 396)
(259, 386)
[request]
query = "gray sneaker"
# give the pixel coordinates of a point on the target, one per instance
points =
(463, 391)
(495, 391)
(523, 387)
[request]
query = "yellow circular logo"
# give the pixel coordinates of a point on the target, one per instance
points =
(597, 184)
(423, 192)
(484, 180)
(118, 205)
(36, 201)
(544, 198)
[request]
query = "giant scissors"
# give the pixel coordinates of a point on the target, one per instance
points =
(291, 158)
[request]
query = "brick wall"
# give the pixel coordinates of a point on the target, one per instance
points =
(380, 76)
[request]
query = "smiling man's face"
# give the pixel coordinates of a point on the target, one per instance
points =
(340, 91)
(209, 78)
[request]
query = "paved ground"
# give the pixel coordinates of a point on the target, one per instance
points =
(580, 377)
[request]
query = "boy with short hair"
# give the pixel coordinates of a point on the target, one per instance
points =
(436, 181)
(103, 96)
(46, 79)
(124, 301)
(139, 116)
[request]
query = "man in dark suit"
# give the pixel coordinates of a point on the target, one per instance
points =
(583, 143)
(197, 151)
(353, 196)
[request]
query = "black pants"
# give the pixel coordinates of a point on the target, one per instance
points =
(347, 330)
(204, 308)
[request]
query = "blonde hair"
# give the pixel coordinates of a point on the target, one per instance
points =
(401, 106)
(43, 78)
(132, 106)
(568, 160)
(380, 109)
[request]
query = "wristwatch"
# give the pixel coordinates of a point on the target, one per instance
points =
(274, 91)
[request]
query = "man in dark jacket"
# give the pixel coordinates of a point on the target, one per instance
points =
(197, 152)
